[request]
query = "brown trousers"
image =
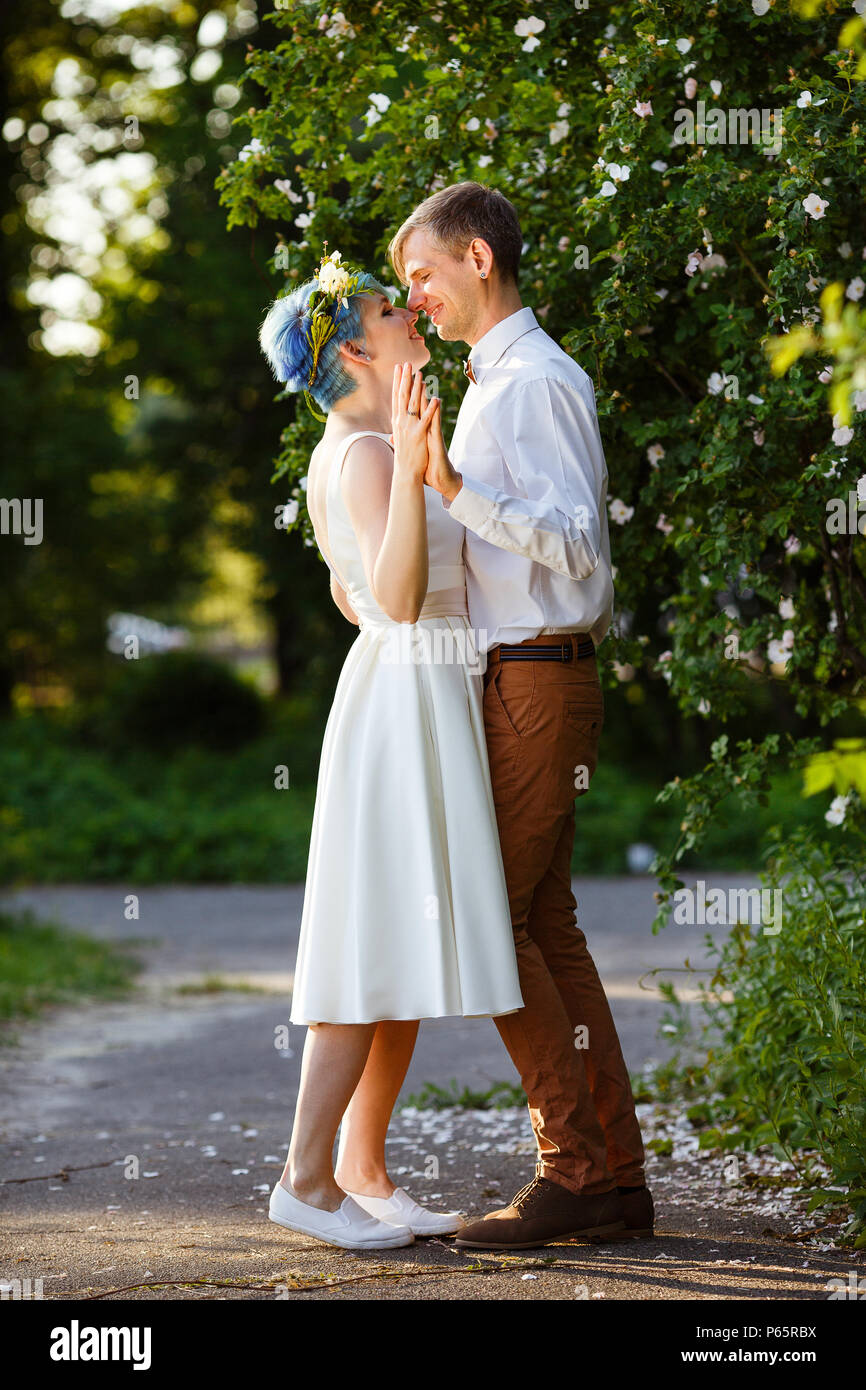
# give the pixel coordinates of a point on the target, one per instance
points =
(543, 720)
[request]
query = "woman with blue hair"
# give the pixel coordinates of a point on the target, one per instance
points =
(405, 909)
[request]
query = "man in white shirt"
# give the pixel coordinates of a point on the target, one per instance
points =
(531, 491)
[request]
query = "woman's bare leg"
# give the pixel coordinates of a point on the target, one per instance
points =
(361, 1155)
(335, 1057)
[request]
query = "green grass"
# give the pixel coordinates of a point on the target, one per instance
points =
(43, 964)
(74, 808)
(215, 984)
(501, 1096)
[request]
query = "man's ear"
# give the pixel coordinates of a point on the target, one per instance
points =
(481, 257)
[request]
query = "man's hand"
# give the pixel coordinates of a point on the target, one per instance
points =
(441, 473)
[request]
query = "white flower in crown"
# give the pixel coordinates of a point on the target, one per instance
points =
(333, 279)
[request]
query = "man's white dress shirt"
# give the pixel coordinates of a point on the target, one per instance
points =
(534, 494)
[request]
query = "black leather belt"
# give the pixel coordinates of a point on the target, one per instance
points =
(559, 651)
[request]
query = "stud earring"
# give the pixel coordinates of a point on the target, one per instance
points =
(483, 274)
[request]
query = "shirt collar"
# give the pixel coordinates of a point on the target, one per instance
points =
(498, 339)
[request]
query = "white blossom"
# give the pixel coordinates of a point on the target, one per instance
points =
(760, 6)
(619, 512)
(659, 166)
(815, 206)
(527, 29)
(333, 279)
(691, 88)
(558, 131)
(842, 434)
(856, 288)
(654, 453)
(254, 147)
(845, 250)
(339, 27)
(683, 45)
(643, 108)
(778, 653)
(284, 186)
(838, 808)
(786, 609)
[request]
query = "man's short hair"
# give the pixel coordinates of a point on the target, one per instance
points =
(454, 216)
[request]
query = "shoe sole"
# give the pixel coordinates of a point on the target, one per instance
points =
(395, 1244)
(426, 1235)
(591, 1233)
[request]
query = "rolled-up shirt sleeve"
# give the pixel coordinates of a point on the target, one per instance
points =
(548, 434)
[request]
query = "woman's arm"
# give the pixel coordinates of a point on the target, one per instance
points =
(384, 496)
(341, 598)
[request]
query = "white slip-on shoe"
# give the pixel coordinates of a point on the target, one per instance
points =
(350, 1227)
(402, 1210)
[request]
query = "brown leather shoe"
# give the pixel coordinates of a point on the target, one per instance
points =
(638, 1211)
(639, 1214)
(543, 1212)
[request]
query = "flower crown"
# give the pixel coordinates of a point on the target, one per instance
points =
(335, 284)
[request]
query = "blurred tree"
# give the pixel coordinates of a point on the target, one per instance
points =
(141, 409)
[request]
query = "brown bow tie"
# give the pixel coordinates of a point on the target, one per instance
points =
(467, 367)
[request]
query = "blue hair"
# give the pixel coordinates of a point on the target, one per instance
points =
(284, 341)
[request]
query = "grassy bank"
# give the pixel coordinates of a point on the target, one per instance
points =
(42, 964)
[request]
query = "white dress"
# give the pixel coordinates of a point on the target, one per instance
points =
(405, 910)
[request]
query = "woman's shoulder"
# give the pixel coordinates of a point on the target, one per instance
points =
(359, 444)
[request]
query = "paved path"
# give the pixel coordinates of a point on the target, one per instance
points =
(190, 1092)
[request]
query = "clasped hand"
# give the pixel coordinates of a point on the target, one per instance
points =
(416, 422)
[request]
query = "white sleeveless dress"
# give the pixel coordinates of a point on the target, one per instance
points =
(405, 910)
